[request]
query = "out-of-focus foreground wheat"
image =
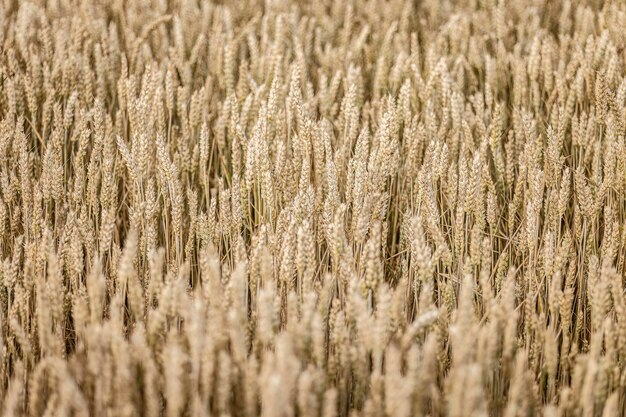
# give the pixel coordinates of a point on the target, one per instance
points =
(342, 208)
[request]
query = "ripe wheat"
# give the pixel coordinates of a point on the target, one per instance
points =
(330, 208)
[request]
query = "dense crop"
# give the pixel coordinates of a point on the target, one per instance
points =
(327, 208)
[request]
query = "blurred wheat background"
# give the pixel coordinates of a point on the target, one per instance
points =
(330, 208)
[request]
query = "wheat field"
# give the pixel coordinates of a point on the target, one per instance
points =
(298, 209)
